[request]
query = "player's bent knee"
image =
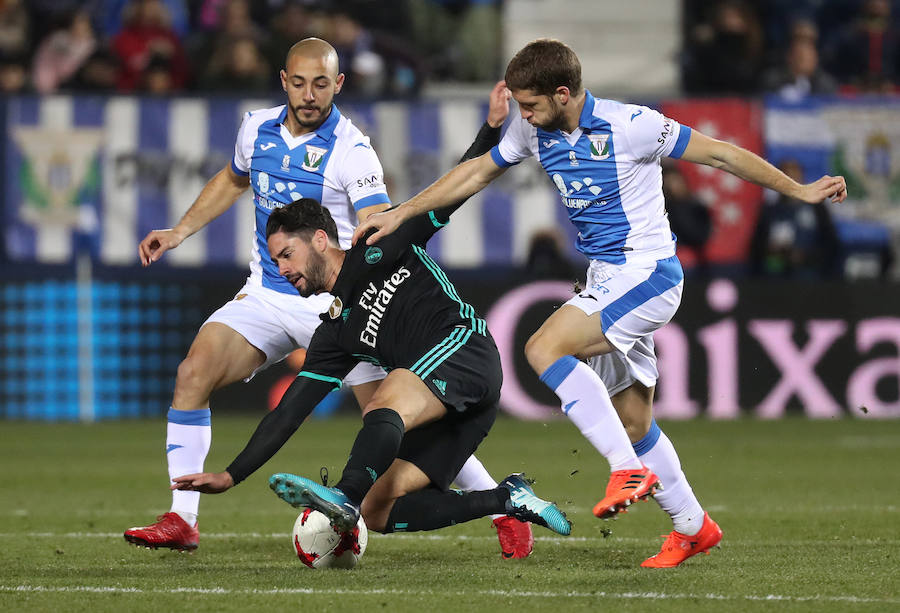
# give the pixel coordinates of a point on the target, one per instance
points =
(195, 374)
(541, 352)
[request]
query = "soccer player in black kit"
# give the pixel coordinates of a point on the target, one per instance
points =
(395, 307)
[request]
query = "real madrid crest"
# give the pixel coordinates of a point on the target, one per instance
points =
(334, 311)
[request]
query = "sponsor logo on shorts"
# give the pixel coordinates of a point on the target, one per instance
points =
(240, 296)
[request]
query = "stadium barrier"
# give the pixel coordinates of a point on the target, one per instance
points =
(763, 349)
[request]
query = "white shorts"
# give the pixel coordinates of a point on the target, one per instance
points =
(277, 324)
(634, 300)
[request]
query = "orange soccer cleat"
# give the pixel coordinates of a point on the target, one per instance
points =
(516, 539)
(625, 487)
(169, 531)
(679, 547)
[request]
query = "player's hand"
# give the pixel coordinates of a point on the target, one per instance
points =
(385, 222)
(208, 483)
(498, 107)
(834, 188)
(157, 243)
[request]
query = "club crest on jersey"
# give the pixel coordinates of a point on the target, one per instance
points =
(373, 255)
(313, 158)
(336, 308)
(599, 146)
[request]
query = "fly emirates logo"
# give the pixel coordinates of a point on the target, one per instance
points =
(376, 302)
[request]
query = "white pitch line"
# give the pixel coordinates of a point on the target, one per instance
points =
(459, 537)
(419, 593)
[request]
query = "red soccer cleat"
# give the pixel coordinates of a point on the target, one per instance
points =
(169, 531)
(679, 547)
(516, 539)
(625, 487)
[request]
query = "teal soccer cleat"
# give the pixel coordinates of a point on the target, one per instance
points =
(525, 506)
(303, 492)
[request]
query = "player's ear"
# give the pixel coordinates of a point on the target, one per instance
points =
(283, 75)
(338, 83)
(320, 240)
(562, 94)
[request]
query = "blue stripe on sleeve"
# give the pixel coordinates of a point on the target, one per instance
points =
(498, 159)
(380, 198)
(684, 135)
(238, 171)
(189, 418)
(649, 441)
(558, 371)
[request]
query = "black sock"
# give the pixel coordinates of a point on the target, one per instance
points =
(374, 449)
(431, 508)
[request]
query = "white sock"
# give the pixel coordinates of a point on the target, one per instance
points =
(474, 477)
(188, 436)
(586, 402)
(676, 498)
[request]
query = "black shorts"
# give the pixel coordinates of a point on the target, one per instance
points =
(465, 374)
(440, 449)
(462, 369)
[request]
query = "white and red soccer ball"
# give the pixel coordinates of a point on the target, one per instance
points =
(320, 545)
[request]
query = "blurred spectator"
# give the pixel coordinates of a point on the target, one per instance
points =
(794, 239)
(239, 68)
(461, 39)
(156, 78)
(61, 54)
(725, 54)
(13, 73)
(99, 73)
(147, 35)
(14, 29)
(233, 50)
(376, 64)
(801, 75)
(865, 55)
(289, 25)
(547, 256)
(111, 16)
(688, 217)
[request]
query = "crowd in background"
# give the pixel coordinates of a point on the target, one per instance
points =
(790, 47)
(173, 46)
(793, 47)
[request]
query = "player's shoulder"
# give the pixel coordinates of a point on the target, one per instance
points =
(616, 112)
(347, 132)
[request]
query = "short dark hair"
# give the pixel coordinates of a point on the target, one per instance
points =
(302, 217)
(543, 65)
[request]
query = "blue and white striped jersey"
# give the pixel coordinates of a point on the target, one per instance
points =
(335, 165)
(608, 175)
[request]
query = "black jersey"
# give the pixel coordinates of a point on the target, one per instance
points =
(394, 307)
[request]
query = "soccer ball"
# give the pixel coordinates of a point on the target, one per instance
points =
(319, 544)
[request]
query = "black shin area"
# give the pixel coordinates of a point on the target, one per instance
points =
(431, 508)
(374, 449)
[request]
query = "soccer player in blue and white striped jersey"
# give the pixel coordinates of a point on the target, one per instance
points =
(604, 157)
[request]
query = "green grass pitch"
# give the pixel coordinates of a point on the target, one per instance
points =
(810, 511)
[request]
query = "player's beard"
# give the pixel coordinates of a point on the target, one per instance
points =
(557, 119)
(316, 275)
(323, 112)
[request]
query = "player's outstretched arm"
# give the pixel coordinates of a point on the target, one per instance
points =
(216, 197)
(454, 187)
(702, 149)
